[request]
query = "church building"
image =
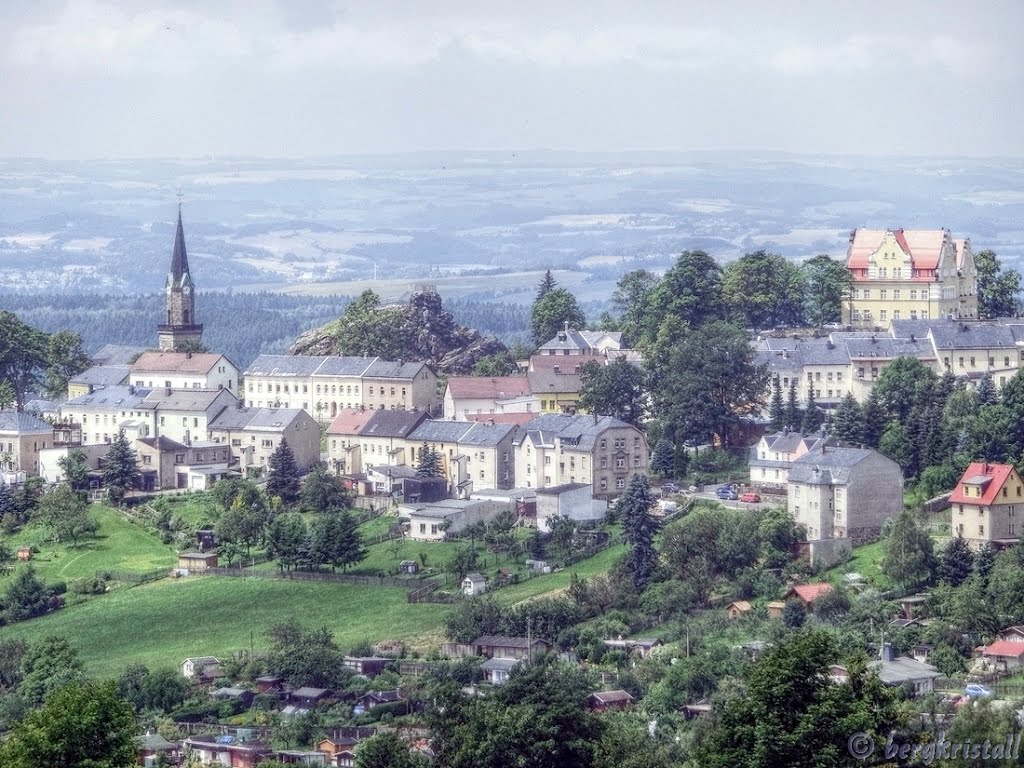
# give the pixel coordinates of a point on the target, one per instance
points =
(180, 329)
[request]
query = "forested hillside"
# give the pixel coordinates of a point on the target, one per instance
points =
(240, 325)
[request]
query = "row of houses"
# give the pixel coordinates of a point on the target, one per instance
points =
(850, 362)
(547, 451)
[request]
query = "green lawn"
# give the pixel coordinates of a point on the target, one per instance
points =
(541, 585)
(119, 545)
(867, 562)
(162, 623)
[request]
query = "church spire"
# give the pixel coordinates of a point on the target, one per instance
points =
(179, 261)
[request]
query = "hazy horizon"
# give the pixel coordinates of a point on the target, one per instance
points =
(92, 79)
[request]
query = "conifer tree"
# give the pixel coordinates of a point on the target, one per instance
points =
(639, 528)
(429, 464)
(984, 560)
(663, 460)
(957, 562)
(813, 418)
(120, 468)
(873, 421)
(986, 392)
(535, 545)
(793, 414)
(777, 408)
(283, 476)
(547, 284)
(845, 423)
(7, 502)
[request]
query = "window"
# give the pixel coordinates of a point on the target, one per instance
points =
(604, 443)
(867, 293)
(179, 458)
(433, 530)
(883, 314)
(146, 459)
(961, 362)
(620, 463)
(423, 527)
(883, 293)
(604, 462)
(972, 361)
(981, 530)
(620, 483)
(896, 294)
(604, 485)
(860, 373)
(1006, 362)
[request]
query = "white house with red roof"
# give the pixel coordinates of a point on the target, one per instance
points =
(987, 505)
(808, 593)
(468, 397)
(184, 370)
(904, 274)
(1006, 652)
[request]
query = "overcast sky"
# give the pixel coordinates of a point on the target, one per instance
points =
(88, 78)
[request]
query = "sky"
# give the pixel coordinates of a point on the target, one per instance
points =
(310, 78)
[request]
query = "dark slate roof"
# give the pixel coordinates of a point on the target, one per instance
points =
(828, 468)
(549, 381)
(399, 470)
(344, 366)
(256, 419)
(15, 421)
(389, 369)
(437, 431)
(284, 365)
(887, 348)
(184, 399)
(486, 435)
(953, 335)
(179, 259)
(163, 443)
(116, 354)
(499, 664)
(581, 430)
(570, 339)
(119, 396)
(385, 423)
(102, 375)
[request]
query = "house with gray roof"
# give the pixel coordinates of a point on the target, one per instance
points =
(771, 457)
(559, 449)
(253, 434)
(185, 415)
(324, 385)
(474, 455)
(104, 412)
(433, 521)
(22, 437)
(97, 376)
(842, 497)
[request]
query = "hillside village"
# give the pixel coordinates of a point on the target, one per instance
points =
(732, 500)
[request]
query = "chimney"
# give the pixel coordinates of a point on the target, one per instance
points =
(823, 447)
(873, 339)
(913, 339)
(595, 418)
(566, 326)
(188, 355)
(131, 389)
(168, 391)
(557, 369)
(830, 344)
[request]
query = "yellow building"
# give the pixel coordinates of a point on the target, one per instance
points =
(907, 274)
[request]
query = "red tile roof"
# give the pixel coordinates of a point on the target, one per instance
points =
(1007, 648)
(350, 421)
(488, 388)
(999, 473)
(810, 592)
(176, 362)
(924, 246)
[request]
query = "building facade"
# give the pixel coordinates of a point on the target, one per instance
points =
(909, 274)
(184, 370)
(987, 505)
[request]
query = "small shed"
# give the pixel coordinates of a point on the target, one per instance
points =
(409, 567)
(776, 609)
(602, 701)
(738, 608)
(269, 683)
(197, 561)
(474, 584)
(240, 695)
(496, 671)
(24, 553)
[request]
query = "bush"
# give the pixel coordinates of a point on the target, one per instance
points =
(88, 586)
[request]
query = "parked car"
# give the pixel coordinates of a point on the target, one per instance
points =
(975, 690)
(670, 488)
(750, 498)
(728, 493)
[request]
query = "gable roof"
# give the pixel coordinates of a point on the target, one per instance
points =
(284, 365)
(829, 466)
(116, 354)
(390, 369)
(118, 395)
(545, 382)
(176, 362)
(384, 423)
(337, 365)
(1009, 648)
(567, 339)
(991, 477)
(102, 375)
(16, 421)
(488, 388)
(611, 697)
(350, 421)
(257, 419)
(810, 592)
(184, 399)
(924, 246)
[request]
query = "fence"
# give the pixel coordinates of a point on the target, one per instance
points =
(347, 578)
(134, 577)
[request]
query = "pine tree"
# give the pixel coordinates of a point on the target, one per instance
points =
(873, 421)
(430, 462)
(813, 418)
(777, 409)
(7, 503)
(663, 460)
(957, 562)
(986, 392)
(984, 561)
(639, 528)
(283, 476)
(120, 468)
(547, 284)
(535, 545)
(846, 423)
(793, 414)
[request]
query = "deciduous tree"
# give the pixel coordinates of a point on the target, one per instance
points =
(616, 389)
(764, 290)
(826, 284)
(551, 312)
(909, 555)
(998, 291)
(66, 514)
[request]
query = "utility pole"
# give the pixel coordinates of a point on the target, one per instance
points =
(529, 640)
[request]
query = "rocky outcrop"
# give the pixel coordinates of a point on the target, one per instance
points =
(429, 333)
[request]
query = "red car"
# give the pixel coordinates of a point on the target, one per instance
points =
(750, 498)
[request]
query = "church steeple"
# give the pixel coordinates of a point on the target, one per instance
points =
(179, 260)
(180, 329)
